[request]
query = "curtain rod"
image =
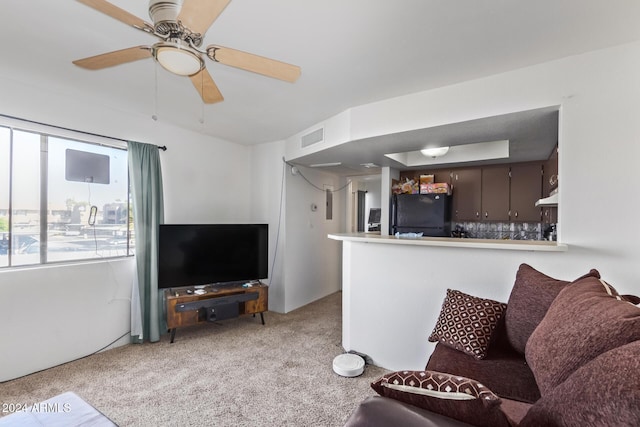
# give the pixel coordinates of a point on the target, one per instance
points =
(163, 147)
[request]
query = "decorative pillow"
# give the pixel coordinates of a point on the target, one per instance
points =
(456, 397)
(603, 392)
(531, 296)
(586, 319)
(466, 323)
(614, 293)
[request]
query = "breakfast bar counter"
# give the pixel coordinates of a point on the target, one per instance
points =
(393, 288)
(514, 245)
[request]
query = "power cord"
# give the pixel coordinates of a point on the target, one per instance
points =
(284, 165)
(275, 252)
(110, 344)
(74, 360)
(324, 190)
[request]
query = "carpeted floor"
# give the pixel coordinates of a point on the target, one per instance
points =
(235, 372)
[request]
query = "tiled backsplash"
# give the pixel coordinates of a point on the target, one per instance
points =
(502, 230)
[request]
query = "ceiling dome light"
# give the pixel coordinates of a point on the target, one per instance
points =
(178, 58)
(435, 152)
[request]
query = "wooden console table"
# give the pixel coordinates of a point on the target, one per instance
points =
(185, 308)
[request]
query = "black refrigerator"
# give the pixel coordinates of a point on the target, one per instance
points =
(429, 214)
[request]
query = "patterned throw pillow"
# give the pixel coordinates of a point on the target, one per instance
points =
(466, 323)
(461, 398)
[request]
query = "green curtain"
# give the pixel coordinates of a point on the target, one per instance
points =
(148, 213)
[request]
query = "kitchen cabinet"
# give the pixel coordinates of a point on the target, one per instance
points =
(495, 193)
(550, 214)
(550, 175)
(439, 175)
(442, 175)
(526, 189)
(467, 188)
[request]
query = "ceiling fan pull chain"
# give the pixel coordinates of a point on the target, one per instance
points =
(201, 100)
(155, 92)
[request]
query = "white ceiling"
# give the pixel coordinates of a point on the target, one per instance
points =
(351, 52)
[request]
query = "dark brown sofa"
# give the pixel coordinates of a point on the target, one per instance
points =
(558, 353)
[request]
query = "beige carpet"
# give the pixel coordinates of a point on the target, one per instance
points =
(231, 373)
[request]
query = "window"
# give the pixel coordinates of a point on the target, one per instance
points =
(61, 199)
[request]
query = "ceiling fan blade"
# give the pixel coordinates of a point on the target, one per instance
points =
(117, 13)
(207, 88)
(198, 15)
(257, 64)
(117, 57)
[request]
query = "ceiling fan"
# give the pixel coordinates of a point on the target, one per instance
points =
(181, 25)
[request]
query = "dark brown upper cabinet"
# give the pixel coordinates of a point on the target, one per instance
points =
(526, 189)
(467, 198)
(495, 193)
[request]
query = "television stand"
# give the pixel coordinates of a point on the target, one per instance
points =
(219, 302)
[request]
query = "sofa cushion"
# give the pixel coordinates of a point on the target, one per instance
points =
(514, 410)
(467, 323)
(504, 370)
(531, 295)
(586, 319)
(461, 398)
(603, 392)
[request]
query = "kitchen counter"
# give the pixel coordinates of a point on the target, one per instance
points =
(512, 245)
(393, 288)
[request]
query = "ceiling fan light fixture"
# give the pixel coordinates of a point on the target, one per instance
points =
(177, 58)
(435, 152)
(164, 10)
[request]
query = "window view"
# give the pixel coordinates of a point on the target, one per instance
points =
(24, 197)
(61, 200)
(4, 195)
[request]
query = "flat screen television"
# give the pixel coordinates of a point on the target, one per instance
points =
(201, 254)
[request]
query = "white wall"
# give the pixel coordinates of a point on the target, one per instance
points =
(55, 314)
(336, 130)
(312, 261)
(599, 95)
(206, 180)
(307, 264)
(267, 206)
